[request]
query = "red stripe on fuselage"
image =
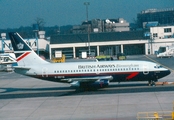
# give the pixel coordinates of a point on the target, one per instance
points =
(22, 56)
(132, 75)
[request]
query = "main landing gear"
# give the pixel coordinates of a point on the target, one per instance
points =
(152, 82)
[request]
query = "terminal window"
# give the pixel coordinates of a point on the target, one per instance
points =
(155, 35)
(166, 30)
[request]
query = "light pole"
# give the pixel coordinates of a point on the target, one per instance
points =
(86, 4)
(89, 49)
(36, 29)
(151, 43)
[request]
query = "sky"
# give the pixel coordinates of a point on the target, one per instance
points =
(17, 13)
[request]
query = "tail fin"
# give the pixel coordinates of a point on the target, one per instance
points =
(25, 56)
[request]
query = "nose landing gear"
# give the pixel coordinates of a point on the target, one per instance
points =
(152, 82)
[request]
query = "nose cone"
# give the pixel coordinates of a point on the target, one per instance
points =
(165, 73)
(168, 72)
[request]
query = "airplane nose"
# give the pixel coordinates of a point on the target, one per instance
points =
(163, 73)
(168, 72)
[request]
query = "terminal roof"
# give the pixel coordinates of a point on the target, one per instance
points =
(98, 37)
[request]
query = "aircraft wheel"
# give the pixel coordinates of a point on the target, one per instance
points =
(149, 82)
(153, 83)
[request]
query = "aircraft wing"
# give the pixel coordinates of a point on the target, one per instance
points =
(88, 79)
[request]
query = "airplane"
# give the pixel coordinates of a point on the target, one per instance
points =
(7, 58)
(83, 74)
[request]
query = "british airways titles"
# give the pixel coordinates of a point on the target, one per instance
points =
(106, 66)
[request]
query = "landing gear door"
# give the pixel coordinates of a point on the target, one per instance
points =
(44, 72)
(145, 69)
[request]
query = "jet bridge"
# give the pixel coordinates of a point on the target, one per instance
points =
(6, 61)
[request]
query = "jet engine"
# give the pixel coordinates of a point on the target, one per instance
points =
(97, 84)
(100, 83)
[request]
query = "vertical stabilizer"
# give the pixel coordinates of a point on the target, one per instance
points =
(25, 56)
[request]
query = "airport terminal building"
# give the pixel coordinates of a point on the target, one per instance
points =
(160, 16)
(111, 43)
(107, 43)
(128, 42)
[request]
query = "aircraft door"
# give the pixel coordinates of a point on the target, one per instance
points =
(44, 72)
(97, 71)
(145, 69)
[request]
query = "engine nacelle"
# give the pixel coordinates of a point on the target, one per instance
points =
(75, 84)
(97, 84)
(100, 83)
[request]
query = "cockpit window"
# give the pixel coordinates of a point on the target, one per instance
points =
(158, 66)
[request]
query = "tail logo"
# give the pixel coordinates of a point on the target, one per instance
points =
(20, 46)
(22, 56)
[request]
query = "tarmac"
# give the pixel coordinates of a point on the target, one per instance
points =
(25, 98)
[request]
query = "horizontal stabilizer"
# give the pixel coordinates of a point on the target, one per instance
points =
(21, 67)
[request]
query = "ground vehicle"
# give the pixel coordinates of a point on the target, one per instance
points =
(59, 57)
(58, 60)
(165, 51)
(121, 56)
(104, 58)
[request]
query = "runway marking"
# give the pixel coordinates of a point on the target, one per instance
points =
(158, 63)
